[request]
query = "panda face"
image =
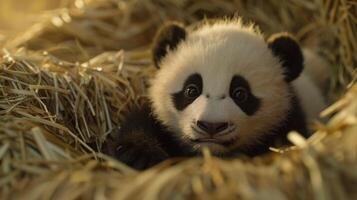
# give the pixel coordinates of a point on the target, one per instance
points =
(222, 87)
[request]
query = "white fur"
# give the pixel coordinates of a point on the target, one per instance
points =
(310, 83)
(310, 97)
(316, 68)
(218, 52)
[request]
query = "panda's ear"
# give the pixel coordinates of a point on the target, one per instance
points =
(288, 50)
(167, 38)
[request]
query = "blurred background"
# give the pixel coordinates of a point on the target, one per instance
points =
(16, 14)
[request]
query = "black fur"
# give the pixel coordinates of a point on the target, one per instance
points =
(168, 37)
(252, 104)
(289, 52)
(179, 98)
(141, 141)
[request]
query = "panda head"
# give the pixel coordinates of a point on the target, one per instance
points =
(222, 86)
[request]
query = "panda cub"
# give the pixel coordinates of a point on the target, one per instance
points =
(220, 86)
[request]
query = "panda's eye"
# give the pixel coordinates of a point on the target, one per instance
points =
(192, 91)
(240, 94)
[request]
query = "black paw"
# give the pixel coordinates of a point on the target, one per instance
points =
(140, 156)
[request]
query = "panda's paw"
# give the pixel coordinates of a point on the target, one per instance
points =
(139, 145)
(140, 156)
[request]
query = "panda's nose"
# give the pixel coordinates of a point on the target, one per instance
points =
(212, 128)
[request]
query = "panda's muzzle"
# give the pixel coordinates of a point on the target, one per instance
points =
(214, 133)
(212, 128)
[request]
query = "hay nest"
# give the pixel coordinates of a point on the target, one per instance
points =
(67, 82)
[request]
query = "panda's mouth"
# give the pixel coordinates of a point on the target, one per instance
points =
(215, 141)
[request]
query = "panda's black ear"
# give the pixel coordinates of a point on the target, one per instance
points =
(167, 38)
(288, 50)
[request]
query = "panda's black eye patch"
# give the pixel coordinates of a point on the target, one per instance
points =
(242, 96)
(192, 89)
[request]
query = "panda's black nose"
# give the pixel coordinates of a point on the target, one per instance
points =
(212, 128)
